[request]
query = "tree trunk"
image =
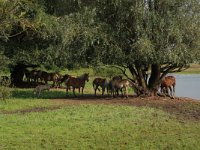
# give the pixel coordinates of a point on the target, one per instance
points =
(154, 80)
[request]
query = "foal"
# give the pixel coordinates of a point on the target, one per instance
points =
(168, 83)
(41, 88)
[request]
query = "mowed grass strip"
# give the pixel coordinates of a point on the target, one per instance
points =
(97, 127)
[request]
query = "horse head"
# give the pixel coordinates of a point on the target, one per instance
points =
(86, 77)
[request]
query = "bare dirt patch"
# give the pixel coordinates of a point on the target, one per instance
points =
(182, 108)
(35, 109)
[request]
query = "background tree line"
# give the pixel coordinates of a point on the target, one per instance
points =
(149, 38)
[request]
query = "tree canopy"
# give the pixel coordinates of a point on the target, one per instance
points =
(150, 38)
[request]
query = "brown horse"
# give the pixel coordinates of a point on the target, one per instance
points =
(33, 75)
(78, 82)
(99, 82)
(50, 77)
(63, 79)
(110, 87)
(119, 77)
(121, 85)
(168, 83)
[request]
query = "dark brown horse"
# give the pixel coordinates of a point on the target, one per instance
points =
(55, 77)
(99, 82)
(168, 85)
(33, 75)
(78, 82)
(63, 79)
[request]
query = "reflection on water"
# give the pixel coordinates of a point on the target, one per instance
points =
(188, 85)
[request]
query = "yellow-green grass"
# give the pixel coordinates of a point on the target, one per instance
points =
(193, 69)
(97, 127)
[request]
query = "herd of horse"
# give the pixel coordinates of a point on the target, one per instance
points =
(43, 76)
(112, 87)
(117, 84)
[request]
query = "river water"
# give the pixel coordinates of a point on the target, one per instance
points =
(188, 85)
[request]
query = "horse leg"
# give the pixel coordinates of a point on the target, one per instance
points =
(67, 90)
(74, 92)
(126, 90)
(117, 92)
(164, 91)
(121, 90)
(82, 90)
(103, 90)
(96, 88)
(170, 91)
(173, 90)
(112, 92)
(107, 89)
(95, 91)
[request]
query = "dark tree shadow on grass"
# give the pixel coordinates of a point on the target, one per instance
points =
(28, 94)
(56, 94)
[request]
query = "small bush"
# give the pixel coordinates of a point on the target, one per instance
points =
(5, 93)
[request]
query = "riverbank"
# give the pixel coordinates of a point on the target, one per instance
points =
(193, 69)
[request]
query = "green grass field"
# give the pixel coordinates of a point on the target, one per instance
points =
(90, 126)
(96, 127)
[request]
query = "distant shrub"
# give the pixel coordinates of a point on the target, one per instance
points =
(5, 93)
(106, 71)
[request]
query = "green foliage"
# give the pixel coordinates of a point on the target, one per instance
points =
(4, 61)
(106, 71)
(76, 33)
(92, 32)
(5, 93)
(26, 23)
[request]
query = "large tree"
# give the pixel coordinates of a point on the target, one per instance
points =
(27, 36)
(26, 31)
(150, 38)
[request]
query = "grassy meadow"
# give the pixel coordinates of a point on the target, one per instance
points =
(193, 69)
(30, 123)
